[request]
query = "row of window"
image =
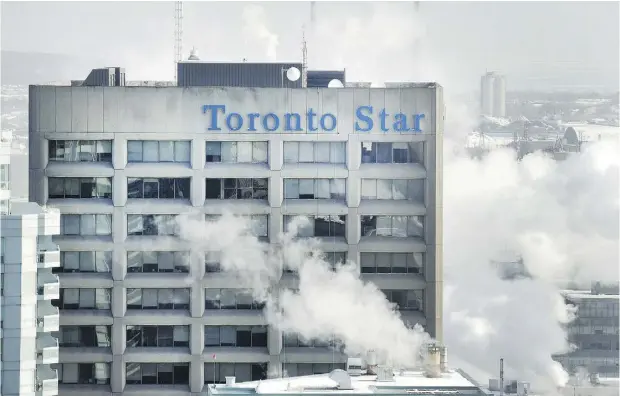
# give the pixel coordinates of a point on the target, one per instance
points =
(178, 373)
(5, 176)
(318, 226)
(179, 299)
(153, 151)
(236, 188)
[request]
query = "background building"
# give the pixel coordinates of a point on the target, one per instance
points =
(27, 286)
(594, 332)
(121, 162)
(493, 95)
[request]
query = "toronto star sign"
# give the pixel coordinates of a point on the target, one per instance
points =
(366, 117)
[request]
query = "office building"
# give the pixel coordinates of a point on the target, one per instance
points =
(594, 332)
(120, 161)
(27, 288)
(493, 95)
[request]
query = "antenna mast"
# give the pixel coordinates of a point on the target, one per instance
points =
(178, 35)
(304, 57)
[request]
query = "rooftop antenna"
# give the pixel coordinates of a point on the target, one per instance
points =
(501, 377)
(304, 57)
(178, 35)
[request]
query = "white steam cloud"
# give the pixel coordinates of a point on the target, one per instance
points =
(256, 31)
(326, 303)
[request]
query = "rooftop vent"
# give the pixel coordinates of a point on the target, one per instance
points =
(371, 363)
(436, 360)
(354, 366)
(193, 54)
(230, 381)
(342, 378)
(385, 374)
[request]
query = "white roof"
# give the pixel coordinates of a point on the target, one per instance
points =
(590, 132)
(408, 381)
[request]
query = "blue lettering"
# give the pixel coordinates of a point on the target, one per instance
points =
(214, 109)
(288, 117)
(359, 113)
(251, 118)
(382, 116)
(400, 123)
(333, 122)
(417, 118)
(238, 122)
(275, 123)
(311, 114)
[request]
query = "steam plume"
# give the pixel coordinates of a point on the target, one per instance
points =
(327, 303)
(254, 28)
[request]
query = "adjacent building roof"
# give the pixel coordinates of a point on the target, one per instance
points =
(589, 133)
(339, 382)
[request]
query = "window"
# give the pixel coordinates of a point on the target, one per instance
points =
(85, 261)
(152, 225)
(85, 336)
(393, 226)
(299, 369)
(296, 341)
(216, 373)
(163, 188)
(158, 151)
(157, 373)
(320, 226)
(315, 152)
(236, 336)
(237, 152)
(83, 373)
(392, 153)
(158, 299)
(412, 190)
(2, 249)
(406, 300)
(237, 188)
(86, 224)
(333, 259)
(82, 187)
(391, 263)
(158, 262)
(98, 299)
(315, 188)
(4, 206)
(230, 299)
(157, 336)
(80, 150)
(5, 177)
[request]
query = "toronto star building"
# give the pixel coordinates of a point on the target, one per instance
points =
(120, 162)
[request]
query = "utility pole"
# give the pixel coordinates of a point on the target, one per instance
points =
(501, 377)
(178, 35)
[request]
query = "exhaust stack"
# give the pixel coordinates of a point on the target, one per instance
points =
(436, 360)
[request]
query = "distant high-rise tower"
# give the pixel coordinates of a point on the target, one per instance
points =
(493, 95)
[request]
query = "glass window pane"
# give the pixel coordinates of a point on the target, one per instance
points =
(291, 152)
(259, 152)
(134, 151)
(103, 224)
(150, 151)
(321, 152)
(229, 151)
(384, 153)
(244, 152)
(369, 188)
(214, 151)
(306, 152)
(166, 151)
(183, 151)
(384, 189)
(291, 188)
(306, 189)
(87, 225)
(322, 189)
(338, 188)
(338, 152)
(399, 189)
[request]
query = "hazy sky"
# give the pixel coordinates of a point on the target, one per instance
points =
(549, 45)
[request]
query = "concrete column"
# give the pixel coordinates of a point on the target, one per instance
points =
(276, 154)
(354, 153)
(119, 338)
(117, 373)
(198, 156)
(196, 374)
(274, 367)
(354, 189)
(198, 189)
(274, 341)
(119, 262)
(275, 223)
(119, 225)
(119, 151)
(196, 339)
(119, 300)
(119, 189)
(276, 190)
(354, 229)
(196, 301)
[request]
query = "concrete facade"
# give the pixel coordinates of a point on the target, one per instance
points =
(118, 115)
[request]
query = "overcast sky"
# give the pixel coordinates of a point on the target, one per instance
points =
(546, 45)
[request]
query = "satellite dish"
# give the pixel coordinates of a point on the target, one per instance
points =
(335, 83)
(293, 73)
